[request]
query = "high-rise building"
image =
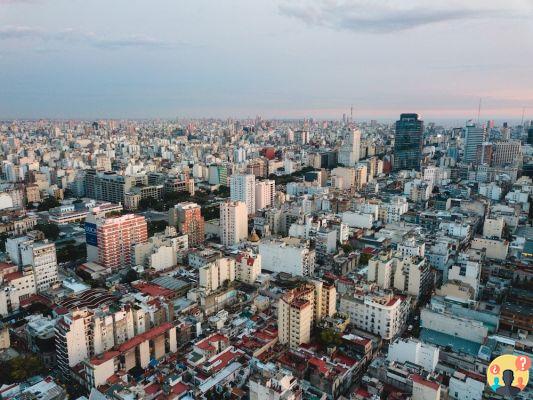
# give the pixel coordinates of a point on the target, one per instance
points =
(42, 258)
(349, 153)
(409, 274)
(530, 136)
(291, 255)
(506, 153)
(110, 240)
(264, 194)
(233, 222)
(214, 274)
(218, 175)
(474, 137)
(383, 314)
(187, 216)
(408, 142)
(247, 267)
(301, 308)
(242, 188)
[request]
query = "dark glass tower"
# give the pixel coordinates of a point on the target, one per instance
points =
(408, 142)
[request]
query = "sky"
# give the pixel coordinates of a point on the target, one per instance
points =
(274, 58)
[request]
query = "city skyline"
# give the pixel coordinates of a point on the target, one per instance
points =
(279, 59)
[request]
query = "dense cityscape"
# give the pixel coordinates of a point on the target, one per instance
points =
(266, 200)
(263, 259)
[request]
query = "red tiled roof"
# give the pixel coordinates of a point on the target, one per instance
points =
(152, 289)
(223, 360)
(108, 355)
(320, 365)
(12, 276)
(151, 334)
(179, 388)
(205, 344)
(6, 266)
(152, 389)
(418, 379)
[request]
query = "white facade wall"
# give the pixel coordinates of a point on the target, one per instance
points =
(242, 188)
(467, 329)
(357, 220)
(465, 388)
(414, 351)
(265, 192)
(277, 256)
(233, 222)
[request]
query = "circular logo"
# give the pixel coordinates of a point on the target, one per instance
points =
(508, 375)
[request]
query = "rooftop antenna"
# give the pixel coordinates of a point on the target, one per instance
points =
(479, 110)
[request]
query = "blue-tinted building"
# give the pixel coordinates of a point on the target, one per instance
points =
(408, 142)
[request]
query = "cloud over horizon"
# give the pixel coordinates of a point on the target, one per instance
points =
(387, 16)
(92, 39)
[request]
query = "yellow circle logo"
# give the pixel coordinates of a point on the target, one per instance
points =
(508, 375)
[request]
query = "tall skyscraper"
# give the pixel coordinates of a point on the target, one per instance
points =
(233, 222)
(242, 188)
(349, 153)
(187, 216)
(530, 136)
(474, 137)
(408, 142)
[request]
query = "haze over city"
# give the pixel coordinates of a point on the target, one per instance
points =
(278, 59)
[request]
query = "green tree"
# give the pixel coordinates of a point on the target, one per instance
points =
(130, 276)
(222, 191)
(20, 368)
(3, 238)
(71, 252)
(328, 337)
(51, 231)
(156, 226)
(48, 203)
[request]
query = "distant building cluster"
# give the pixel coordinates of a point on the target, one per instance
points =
(263, 259)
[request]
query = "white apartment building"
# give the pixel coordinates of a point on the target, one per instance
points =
(242, 188)
(361, 175)
(160, 251)
(382, 314)
(417, 190)
(410, 274)
(233, 222)
(84, 333)
(357, 219)
(464, 387)
(424, 389)
(247, 267)
(290, 255)
(72, 340)
(412, 247)
(265, 192)
(468, 272)
(393, 210)
(343, 177)
(41, 256)
(493, 228)
(414, 351)
(214, 274)
(280, 385)
(490, 190)
(349, 152)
